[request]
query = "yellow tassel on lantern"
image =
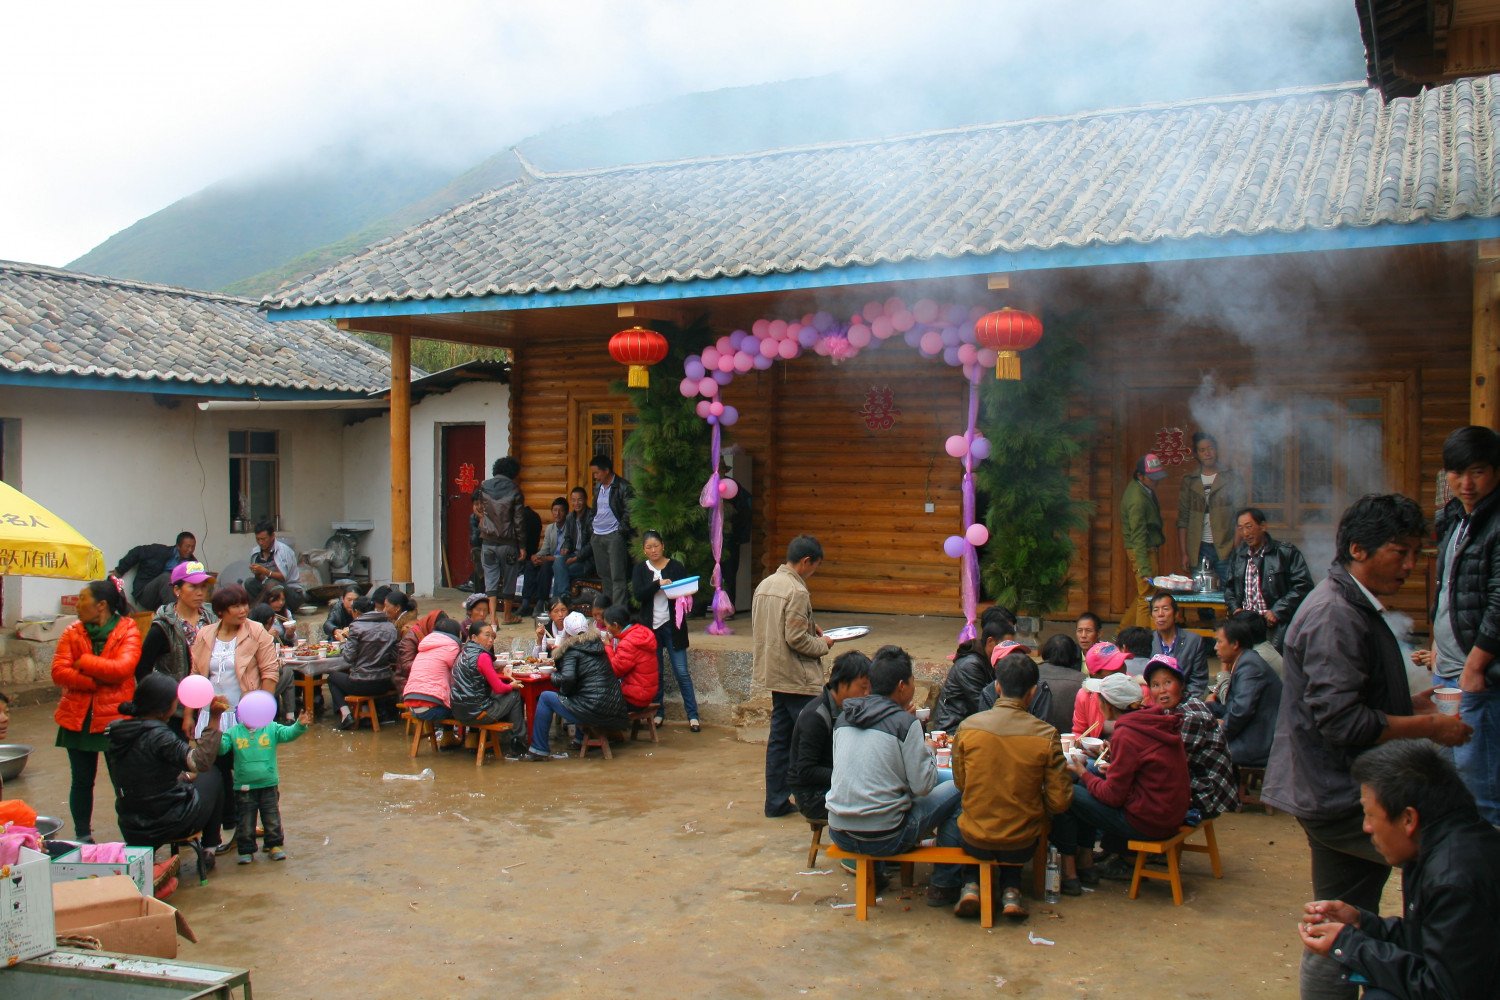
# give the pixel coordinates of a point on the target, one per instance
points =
(1008, 366)
(639, 377)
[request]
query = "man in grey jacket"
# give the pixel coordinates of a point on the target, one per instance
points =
(1186, 647)
(886, 795)
(1345, 691)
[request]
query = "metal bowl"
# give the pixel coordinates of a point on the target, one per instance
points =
(48, 825)
(13, 758)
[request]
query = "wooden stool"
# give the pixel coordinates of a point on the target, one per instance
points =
(645, 717)
(488, 730)
(1173, 847)
(864, 875)
(595, 738)
(308, 685)
(816, 825)
(1251, 780)
(201, 852)
(364, 705)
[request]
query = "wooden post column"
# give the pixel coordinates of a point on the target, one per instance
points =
(1484, 374)
(401, 575)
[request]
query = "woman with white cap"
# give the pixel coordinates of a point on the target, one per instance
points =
(588, 693)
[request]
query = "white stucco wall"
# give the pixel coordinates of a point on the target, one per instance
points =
(123, 470)
(367, 472)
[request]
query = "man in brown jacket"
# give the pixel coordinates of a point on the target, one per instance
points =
(788, 649)
(1009, 766)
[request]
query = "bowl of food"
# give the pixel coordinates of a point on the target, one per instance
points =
(13, 758)
(545, 670)
(923, 714)
(1092, 745)
(685, 587)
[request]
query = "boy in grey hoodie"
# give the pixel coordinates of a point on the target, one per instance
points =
(886, 794)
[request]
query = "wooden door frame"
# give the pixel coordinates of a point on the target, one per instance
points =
(442, 481)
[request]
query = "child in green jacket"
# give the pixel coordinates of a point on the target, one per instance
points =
(257, 784)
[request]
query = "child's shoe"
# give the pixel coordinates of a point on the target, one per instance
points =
(245, 859)
(277, 854)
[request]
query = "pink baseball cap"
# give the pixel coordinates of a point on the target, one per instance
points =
(1105, 658)
(1004, 649)
(189, 572)
(1150, 464)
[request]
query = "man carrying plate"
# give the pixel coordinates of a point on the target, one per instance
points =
(788, 649)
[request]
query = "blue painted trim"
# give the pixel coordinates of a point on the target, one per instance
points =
(1388, 234)
(41, 380)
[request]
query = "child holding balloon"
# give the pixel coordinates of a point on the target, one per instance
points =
(254, 738)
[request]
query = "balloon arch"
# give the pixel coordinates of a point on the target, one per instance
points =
(968, 338)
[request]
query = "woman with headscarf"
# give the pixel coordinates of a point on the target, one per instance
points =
(95, 666)
(147, 759)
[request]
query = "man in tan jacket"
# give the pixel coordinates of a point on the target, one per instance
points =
(789, 649)
(1009, 766)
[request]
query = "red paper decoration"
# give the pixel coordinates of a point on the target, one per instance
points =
(1008, 331)
(639, 348)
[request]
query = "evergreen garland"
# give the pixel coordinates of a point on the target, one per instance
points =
(1024, 486)
(669, 451)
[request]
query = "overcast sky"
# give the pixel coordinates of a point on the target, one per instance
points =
(114, 110)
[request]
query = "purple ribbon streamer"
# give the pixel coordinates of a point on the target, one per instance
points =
(720, 604)
(969, 565)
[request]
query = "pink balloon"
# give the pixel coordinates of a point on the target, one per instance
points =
(967, 353)
(256, 709)
(859, 335)
(726, 363)
(708, 387)
(778, 328)
(987, 357)
(977, 535)
(980, 449)
(872, 311)
(925, 310)
(702, 409)
(760, 327)
(903, 321)
(953, 546)
(893, 305)
(956, 446)
(710, 358)
(195, 691)
(729, 417)
(716, 408)
(972, 372)
(762, 361)
(931, 342)
(820, 347)
(688, 387)
(743, 362)
(724, 345)
(789, 349)
(881, 327)
(728, 489)
(770, 347)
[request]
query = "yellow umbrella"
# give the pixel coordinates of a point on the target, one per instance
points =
(36, 542)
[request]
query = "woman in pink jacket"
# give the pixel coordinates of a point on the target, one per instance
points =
(430, 682)
(632, 656)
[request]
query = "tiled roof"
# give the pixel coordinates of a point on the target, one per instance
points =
(1282, 162)
(62, 322)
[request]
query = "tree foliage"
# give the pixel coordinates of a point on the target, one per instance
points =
(1024, 486)
(669, 452)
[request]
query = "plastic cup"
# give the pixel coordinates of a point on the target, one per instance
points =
(1447, 700)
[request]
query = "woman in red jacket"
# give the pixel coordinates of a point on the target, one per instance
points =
(95, 666)
(632, 656)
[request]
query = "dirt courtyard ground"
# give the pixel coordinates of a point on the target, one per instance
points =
(656, 874)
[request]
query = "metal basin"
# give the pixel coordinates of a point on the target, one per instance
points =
(46, 826)
(13, 758)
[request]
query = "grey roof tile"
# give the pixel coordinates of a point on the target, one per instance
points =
(1299, 160)
(54, 321)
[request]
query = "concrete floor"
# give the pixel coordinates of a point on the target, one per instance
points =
(655, 874)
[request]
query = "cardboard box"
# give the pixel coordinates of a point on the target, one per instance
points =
(123, 920)
(137, 866)
(26, 908)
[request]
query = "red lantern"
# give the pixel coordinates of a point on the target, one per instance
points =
(638, 348)
(1008, 331)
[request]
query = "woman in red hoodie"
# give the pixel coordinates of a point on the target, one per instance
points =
(632, 656)
(1142, 793)
(95, 666)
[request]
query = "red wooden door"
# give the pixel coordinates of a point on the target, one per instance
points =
(463, 470)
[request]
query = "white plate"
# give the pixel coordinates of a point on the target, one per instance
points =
(847, 632)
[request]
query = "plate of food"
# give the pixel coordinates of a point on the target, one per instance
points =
(1174, 584)
(846, 632)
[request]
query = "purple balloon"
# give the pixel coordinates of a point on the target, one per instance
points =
(712, 420)
(693, 367)
(688, 387)
(808, 336)
(950, 356)
(980, 449)
(256, 709)
(751, 346)
(737, 339)
(824, 321)
(951, 337)
(955, 314)
(913, 337)
(729, 417)
(723, 378)
(953, 546)
(762, 362)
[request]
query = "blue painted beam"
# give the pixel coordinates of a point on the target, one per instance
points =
(1204, 248)
(41, 380)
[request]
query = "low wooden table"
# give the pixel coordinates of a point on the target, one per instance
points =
(1189, 604)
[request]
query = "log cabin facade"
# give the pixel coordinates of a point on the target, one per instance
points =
(1308, 275)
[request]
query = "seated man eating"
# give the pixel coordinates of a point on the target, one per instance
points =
(811, 770)
(885, 795)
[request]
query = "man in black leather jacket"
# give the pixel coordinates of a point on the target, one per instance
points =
(1279, 568)
(1421, 819)
(811, 770)
(1466, 613)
